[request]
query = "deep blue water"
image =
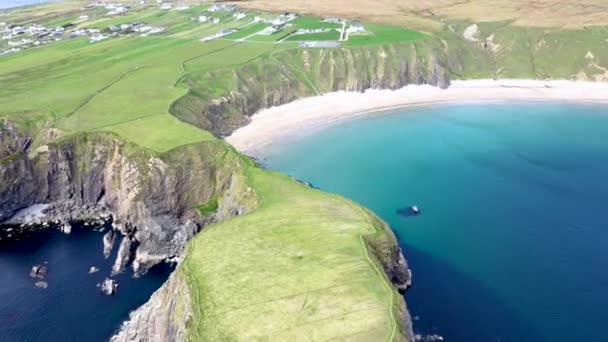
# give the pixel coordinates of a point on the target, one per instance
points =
(72, 308)
(512, 243)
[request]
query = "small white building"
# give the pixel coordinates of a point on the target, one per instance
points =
(239, 16)
(356, 28)
(270, 30)
(166, 6)
(203, 19)
(97, 38)
(182, 7)
(215, 20)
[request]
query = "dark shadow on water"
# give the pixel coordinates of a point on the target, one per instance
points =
(447, 302)
(72, 308)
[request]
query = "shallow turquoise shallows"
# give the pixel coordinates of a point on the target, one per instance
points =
(512, 242)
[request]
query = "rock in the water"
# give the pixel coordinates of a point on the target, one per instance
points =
(108, 243)
(93, 269)
(109, 286)
(38, 271)
(41, 284)
(66, 228)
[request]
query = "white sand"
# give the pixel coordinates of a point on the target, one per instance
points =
(273, 124)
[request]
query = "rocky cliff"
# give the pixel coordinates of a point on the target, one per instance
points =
(282, 77)
(151, 199)
(163, 318)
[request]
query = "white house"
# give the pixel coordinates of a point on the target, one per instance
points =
(356, 27)
(97, 38)
(203, 19)
(166, 6)
(239, 16)
(278, 21)
(215, 20)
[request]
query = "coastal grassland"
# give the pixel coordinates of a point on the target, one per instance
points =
(308, 22)
(247, 31)
(273, 37)
(296, 268)
(503, 50)
(383, 34)
(329, 35)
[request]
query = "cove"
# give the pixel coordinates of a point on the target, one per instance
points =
(72, 308)
(511, 242)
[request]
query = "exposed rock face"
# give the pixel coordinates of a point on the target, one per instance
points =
(280, 80)
(163, 318)
(150, 198)
(108, 243)
(38, 272)
(109, 286)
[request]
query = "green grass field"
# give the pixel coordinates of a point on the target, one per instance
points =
(247, 31)
(382, 34)
(331, 35)
(297, 268)
(306, 22)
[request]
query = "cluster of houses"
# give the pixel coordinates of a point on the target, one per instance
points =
(19, 37)
(135, 28)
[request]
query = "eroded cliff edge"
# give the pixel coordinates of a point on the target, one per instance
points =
(151, 199)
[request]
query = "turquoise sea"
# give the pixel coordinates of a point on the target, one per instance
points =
(512, 242)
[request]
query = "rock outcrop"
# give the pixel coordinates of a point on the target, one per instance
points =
(163, 318)
(151, 198)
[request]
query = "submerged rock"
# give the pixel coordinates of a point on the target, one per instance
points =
(41, 284)
(38, 271)
(109, 286)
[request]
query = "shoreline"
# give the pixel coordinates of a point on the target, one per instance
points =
(313, 113)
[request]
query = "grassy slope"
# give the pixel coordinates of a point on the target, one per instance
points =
(296, 268)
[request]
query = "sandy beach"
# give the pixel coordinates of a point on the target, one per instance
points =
(308, 114)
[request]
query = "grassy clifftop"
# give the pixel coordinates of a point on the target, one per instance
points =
(298, 267)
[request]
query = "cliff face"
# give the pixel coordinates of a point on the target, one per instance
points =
(163, 318)
(289, 75)
(150, 198)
